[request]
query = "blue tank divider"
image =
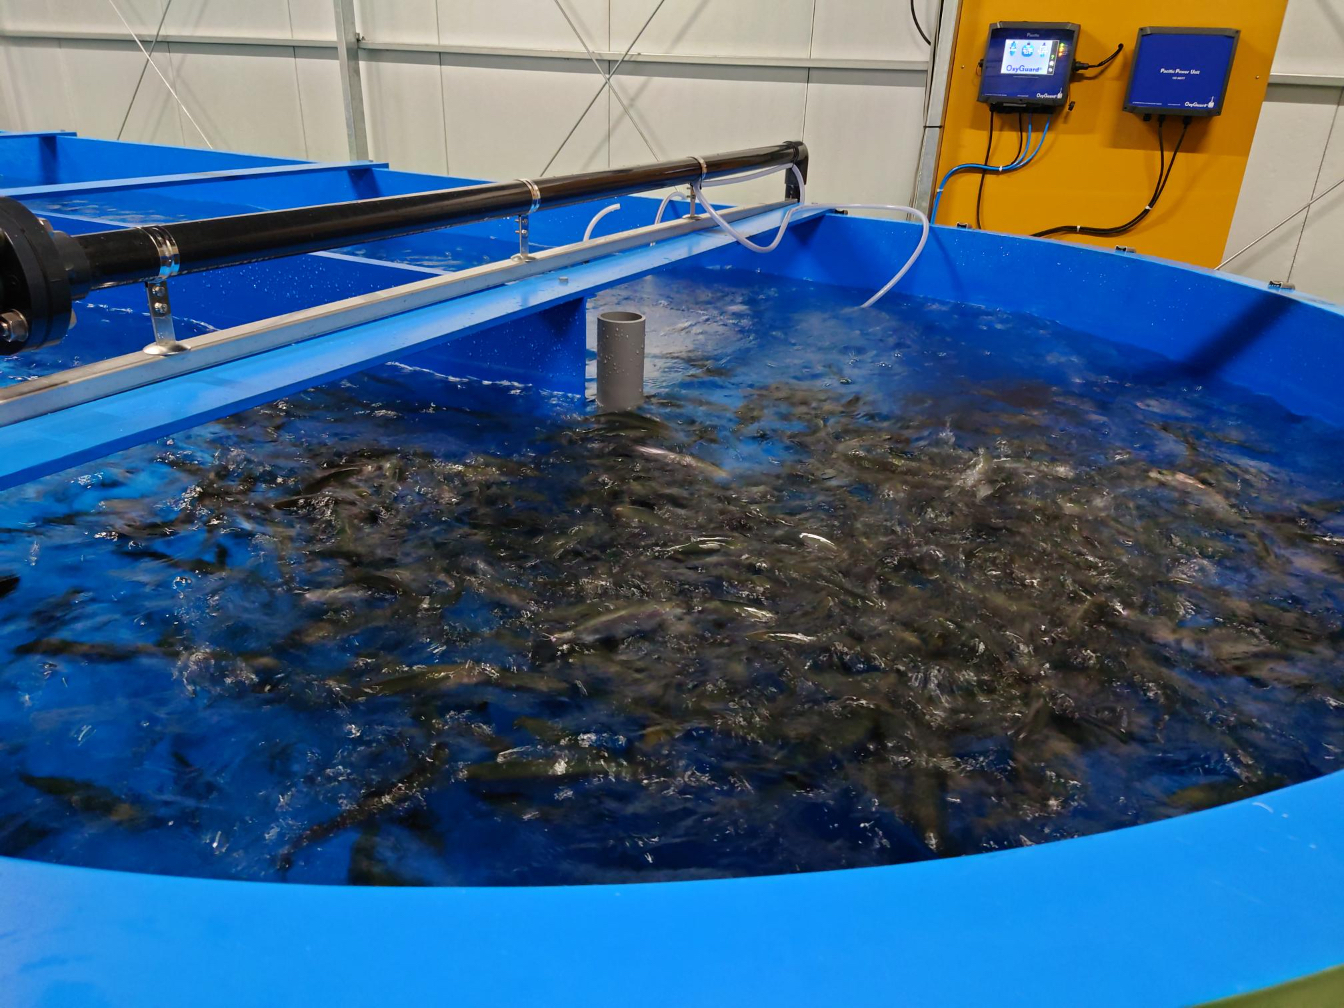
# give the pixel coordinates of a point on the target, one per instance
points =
(164, 181)
(142, 182)
(28, 134)
(552, 343)
(56, 441)
(139, 183)
(72, 158)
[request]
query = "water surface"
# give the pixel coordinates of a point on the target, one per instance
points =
(858, 587)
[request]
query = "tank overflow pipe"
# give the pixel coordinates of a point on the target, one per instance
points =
(620, 361)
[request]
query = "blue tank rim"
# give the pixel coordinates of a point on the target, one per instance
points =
(1200, 906)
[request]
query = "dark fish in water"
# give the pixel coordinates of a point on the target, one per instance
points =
(558, 768)
(367, 868)
(627, 621)
(101, 652)
(682, 459)
(1217, 792)
(328, 478)
(315, 487)
(92, 799)
(422, 678)
(639, 515)
(8, 583)
(941, 607)
(372, 804)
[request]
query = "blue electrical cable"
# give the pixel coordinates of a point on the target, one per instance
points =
(1027, 156)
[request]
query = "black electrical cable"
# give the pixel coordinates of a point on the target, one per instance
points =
(1097, 66)
(1164, 169)
(980, 190)
(918, 27)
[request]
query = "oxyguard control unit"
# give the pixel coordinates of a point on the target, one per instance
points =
(1027, 64)
(1181, 70)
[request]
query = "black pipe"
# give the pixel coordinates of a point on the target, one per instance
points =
(81, 263)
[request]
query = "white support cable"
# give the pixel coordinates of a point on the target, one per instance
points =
(1305, 206)
(1320, 167)
(1316, 184)
(171, 90)
(606, 79)
(154, 44)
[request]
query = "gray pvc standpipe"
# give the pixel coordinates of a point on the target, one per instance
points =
(620, 361)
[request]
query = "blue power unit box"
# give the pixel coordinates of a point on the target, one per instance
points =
(1028, 64)
(1181, 71)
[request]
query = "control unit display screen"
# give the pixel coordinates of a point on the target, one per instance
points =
(1027, 64)
(1030, 56)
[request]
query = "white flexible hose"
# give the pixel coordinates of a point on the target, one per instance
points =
(588, 231)
(742, 239)
(737, 235)
(919, 246)
(662, 207)
(658, 217)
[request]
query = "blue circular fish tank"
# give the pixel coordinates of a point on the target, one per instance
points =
(1225, 901)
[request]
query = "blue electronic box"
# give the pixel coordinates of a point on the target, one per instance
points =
(1028, 64)
(1181, 71)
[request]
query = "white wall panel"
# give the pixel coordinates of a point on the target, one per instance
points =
(81, 15)
(1312, 41)
(701, 110)
(403, 96)
(1280, 174)
(399, 20)
(506, 117)
(9, 109)
(530, 24)
(871, 29)
(312, 19)
(1319, 268)
(502, 116)
(715, 27)
(863, 135)
(40, 95)
(235, 18)
(323, 114)
(121, 73)
(245, 98)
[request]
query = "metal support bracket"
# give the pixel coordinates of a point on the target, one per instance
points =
(161, 314)
(524, 255)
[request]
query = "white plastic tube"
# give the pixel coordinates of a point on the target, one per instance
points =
(919, 246)
(588, 231)
(662, 207)
(745, 242)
